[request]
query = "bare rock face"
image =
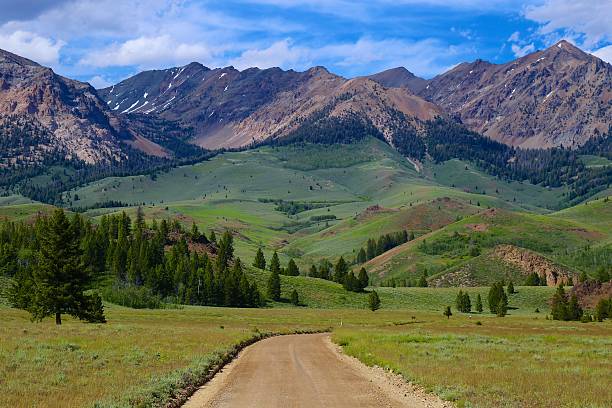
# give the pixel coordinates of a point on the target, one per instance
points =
(589, 293)
(529, 262)
(231, 108)
(559, 96)
(400, 77)
(78, 121)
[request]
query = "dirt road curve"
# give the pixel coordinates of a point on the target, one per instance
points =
(304, 371)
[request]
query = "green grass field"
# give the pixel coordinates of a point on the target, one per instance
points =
(519, 360)
(509, 362)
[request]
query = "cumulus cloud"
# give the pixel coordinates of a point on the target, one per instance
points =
(99, 82)
(426, 57)
(586, 18)
(148, 52)
(521, 51)
(280, 54)
(40, 49)
(604, 53)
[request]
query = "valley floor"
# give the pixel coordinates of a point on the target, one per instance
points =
(145, 356)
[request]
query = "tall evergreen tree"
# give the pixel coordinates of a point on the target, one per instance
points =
(479, 304)
(260, 260)
(225, 251)
(361, 256)
(295, 299)
(511, 290)
(559, 304)
(574, 311)
(447, 312)
(275, 264)
(497, 296)
(58, 282)
(423, 280)
(373, 301)
(292, 268)
(363, 279)
(340, 270)
(274, 286)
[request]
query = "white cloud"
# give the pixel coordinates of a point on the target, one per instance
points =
(39, 49)
(279, 54)
(148, 52)
(99, 82)
(364, 56)
(521, 51)
(514, 37)
(588, 18)
(604, 53)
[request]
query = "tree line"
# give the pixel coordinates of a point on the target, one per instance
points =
(376, 247)
(161, 258)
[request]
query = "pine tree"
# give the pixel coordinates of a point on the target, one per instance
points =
(295, 300)
(195, 232)
(511, 290)
(603, 310)
(274, 285)
(533, 280)
(423, 280)
(574, 311)
(363, 279)
(559, 304)
(350, 282)
(340, 270)
(479, 304)
(275, 264)
(225, 251)
(140, 221)
(292, 268)
(260, 260)
(373, 301)
(57, 283)
(313, 273)
(371, 249)
(448, 312)
(497, 296)
(502, 307)
(361, 256)
(459, 301)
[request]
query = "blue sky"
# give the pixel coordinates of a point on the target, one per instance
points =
(104, 41)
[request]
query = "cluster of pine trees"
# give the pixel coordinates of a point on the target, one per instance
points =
(376, 247)
(463, 302)
(162, 257)
(563, 308)
(498, 300)
(420, 282)
(341, 273)
(275, 266)
(535, 280)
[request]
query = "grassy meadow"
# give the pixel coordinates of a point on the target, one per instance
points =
(517, 361)
(520, 360)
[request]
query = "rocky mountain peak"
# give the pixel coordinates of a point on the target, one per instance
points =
(399, 77)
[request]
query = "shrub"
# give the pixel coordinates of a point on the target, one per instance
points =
(136, 297)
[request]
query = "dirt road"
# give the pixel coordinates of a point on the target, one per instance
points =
(305, 371)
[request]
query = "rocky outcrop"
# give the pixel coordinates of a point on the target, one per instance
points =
(590, 292)
(529, 262)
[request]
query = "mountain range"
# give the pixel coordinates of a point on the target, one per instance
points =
(560, 96)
